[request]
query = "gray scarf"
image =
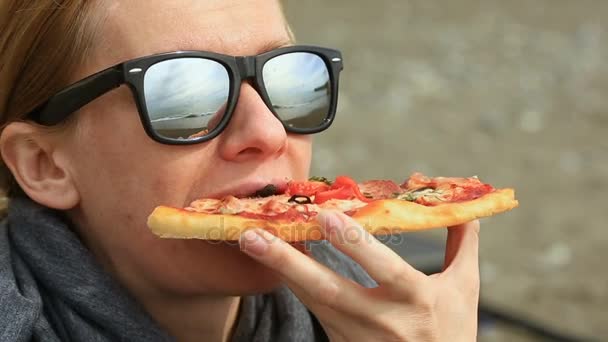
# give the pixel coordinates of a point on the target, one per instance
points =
(52, 289)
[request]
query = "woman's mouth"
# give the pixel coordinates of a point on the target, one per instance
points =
(253, 189)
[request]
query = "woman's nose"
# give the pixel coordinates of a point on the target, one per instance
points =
(253, 131)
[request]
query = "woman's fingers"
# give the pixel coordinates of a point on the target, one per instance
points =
(462, 251)
(302, 273)
(387, 268)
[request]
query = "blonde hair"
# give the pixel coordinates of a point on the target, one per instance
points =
(42, 42)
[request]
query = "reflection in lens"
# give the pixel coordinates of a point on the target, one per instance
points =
(298, 85)
(186, 97)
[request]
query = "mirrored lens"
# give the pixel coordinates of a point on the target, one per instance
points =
(186, 97)
(299, 88)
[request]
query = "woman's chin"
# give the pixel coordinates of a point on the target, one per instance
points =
(261, 285)
(216, 268)
(243, 275)
(253, 277)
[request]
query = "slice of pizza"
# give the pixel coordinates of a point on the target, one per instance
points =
(380, 206)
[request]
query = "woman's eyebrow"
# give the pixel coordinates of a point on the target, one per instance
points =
(275, 44)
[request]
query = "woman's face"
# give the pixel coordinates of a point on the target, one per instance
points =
(122, 174)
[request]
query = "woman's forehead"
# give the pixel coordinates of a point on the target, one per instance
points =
(137, 28)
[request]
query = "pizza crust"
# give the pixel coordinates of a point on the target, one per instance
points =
(379, 217)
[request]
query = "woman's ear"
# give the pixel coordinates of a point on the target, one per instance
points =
(34, 161)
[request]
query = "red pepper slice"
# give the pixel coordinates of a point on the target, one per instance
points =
(344, 181)
(343, 188)
(306, 188)
(347, 181)
(338, 193)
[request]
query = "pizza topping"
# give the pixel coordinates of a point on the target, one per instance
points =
(205, 206)
(417, 181)
(343, 188)
(266, 191)
(299, 199)
(274, 206)
(433, 191)
(306, 198)
(469, 193)
(426, 196)
(231, 205)
(414, 195)
(338, 193)
(342, 205)
(320, 179)
(380, 189)
(279, 206)
(292, 214)
(306, 188)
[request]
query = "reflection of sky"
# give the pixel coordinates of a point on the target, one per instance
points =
(291, 79)
(185, 86)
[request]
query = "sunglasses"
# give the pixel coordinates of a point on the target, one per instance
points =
(188, 97)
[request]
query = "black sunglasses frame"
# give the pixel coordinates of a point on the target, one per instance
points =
(132, 72)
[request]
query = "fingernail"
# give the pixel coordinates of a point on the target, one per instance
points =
(330, 222)
(252, 242)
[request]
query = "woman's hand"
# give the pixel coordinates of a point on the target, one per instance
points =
(407, 305)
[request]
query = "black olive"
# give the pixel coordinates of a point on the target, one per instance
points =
(300, 199)
(266, 191)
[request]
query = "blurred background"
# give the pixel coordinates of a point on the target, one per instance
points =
(515, 92)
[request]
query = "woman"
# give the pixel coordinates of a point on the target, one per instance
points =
(87, 166)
